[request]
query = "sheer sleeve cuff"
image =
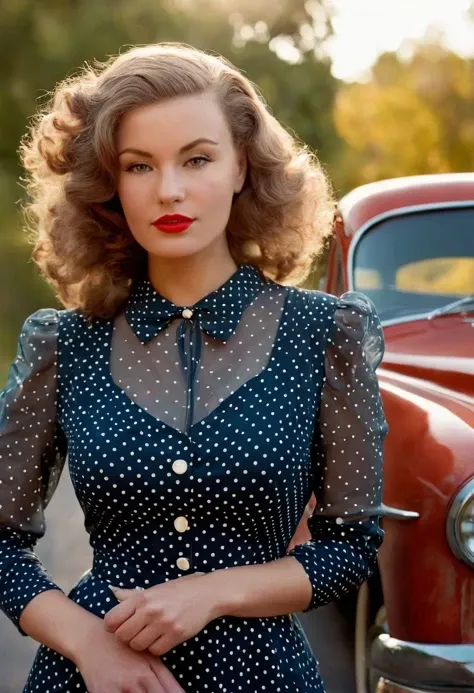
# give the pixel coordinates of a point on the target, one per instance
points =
(23, 575)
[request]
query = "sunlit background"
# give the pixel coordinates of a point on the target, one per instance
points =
(363, 29)
(377, 88)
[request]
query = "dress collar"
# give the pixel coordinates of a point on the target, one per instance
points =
(218, 313)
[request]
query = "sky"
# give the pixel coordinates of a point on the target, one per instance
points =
(366, 28)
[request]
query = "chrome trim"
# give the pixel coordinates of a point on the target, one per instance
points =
(409, 666)
(405, 319)
(462, 497)
(386, 686)
(446, 310)
(398, 513)
(399, 211)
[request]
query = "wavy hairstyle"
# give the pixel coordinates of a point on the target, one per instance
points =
(82, 244)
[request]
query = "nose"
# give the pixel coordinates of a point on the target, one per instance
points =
(170, 187)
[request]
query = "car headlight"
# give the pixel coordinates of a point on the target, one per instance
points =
(460, 524)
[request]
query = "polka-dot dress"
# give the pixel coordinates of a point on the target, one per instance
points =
(194, 438)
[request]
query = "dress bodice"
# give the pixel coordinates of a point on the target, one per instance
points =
(195, 437)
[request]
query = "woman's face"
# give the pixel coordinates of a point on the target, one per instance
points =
(177, 157)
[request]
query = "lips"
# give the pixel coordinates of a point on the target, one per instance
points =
(173, 223)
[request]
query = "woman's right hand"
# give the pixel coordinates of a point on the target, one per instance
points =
(108, 666)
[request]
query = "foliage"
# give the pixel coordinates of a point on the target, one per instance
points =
(413, 117)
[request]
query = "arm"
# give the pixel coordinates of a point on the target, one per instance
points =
(33, 449)
(347, 482)
(32, 455)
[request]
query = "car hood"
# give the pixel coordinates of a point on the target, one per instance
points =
(440, 350)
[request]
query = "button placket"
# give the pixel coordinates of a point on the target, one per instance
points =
(181, 523)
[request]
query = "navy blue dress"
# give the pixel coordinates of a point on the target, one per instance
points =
(194, 437)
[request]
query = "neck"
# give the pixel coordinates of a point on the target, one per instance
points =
(185, 280)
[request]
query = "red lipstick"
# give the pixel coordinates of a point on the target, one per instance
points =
(173, 223)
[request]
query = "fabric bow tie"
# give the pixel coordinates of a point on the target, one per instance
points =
(218, 314)
(210, 322)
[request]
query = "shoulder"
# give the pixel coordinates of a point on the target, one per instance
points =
(37, 341)
(351, 318)
(357, 317)
(48, 330)
(357, 328)
(358, 304)
(351, 305)
(50, 320)
(40, 327)
(313, 303)
(42, 320)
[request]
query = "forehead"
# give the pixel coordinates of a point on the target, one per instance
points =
(173, 123)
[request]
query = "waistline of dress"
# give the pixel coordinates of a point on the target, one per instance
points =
(119, 574)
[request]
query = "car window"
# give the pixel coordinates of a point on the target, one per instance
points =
(416, 262)
(442, 275)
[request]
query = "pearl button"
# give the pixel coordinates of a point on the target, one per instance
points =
(181, 524)
(179, 466)
(182, 563)
(187, 313)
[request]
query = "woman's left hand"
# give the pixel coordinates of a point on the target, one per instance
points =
(161, 617)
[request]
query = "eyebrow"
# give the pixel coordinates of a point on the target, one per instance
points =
(187, 147)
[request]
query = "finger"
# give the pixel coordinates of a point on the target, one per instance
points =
(162, 645)
(166, 678)
(131, 627)
(145, 637)
(119, 614)
(121, 594)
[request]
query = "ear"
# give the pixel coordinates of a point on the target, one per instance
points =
(241, 172)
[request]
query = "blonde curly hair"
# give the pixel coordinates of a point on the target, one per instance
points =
(82, 244)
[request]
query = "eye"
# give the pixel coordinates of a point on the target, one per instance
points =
(133, 168)
(198, 161)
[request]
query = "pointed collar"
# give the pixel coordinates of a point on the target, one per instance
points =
(218, 313)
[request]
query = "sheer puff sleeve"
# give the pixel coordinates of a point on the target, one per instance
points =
(32, 455)
(347, 454)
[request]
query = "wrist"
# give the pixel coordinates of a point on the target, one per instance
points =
(226, 593)
(90, 628)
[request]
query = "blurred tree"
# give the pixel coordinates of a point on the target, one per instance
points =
(413, 117)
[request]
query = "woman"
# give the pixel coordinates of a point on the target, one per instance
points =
(200, 395)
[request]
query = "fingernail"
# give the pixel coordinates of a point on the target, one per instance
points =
(114, 589)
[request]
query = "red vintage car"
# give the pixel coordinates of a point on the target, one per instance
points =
(408, 244)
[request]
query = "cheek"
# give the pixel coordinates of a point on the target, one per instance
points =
(132, 192)
(215, 187)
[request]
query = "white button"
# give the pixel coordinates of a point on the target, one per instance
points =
(182, 563)
(187, 313)
(181, 524)
(179, 466)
